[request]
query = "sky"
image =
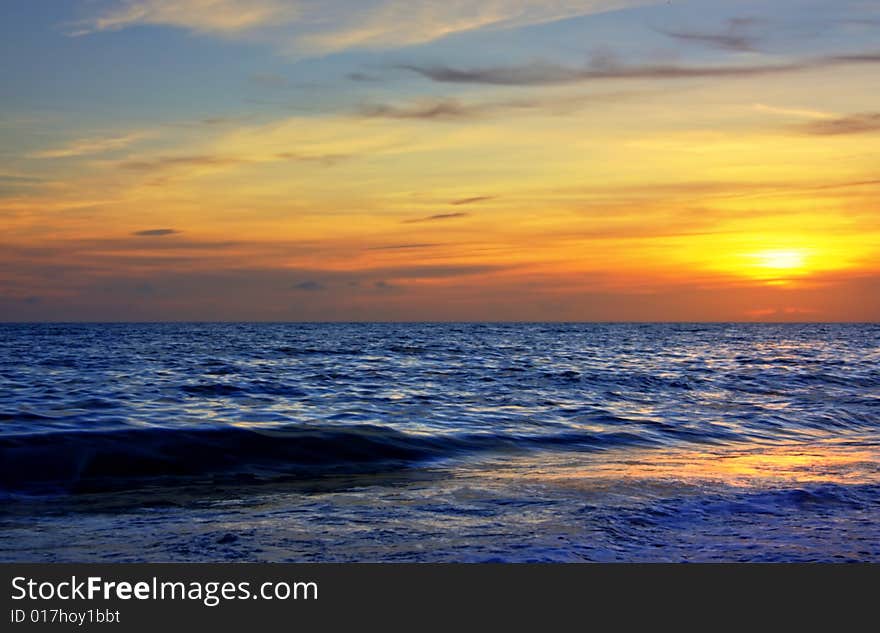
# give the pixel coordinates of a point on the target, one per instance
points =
(414, 160)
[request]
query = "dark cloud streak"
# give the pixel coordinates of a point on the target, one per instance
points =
(156, 232)
(735, 38)
(164, 162)
(442, 109)
(451, 109)
(436, 272)
(472, 200)
(436, 217)
(361, 76)
(395, 247)
(545, 74)
(862, 123)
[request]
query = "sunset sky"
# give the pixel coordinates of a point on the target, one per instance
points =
(350, 160)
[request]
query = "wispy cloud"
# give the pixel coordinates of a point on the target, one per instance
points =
(209, 122)
(325, 159)
(737, 36)
(396, 247)
(542, 74)
(335, 25)
(84, 146)
(208, 16)
(862, 123)
(436, 217)
(471, 200)
(431, 109)
(163, 162)
(361, 76)
(437, 272)
(792, 112)
(11, 182)
(156, 232)
(10, 177)
(451, 109)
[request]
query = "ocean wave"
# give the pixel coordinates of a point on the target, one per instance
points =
(107, 405)
(88, 461)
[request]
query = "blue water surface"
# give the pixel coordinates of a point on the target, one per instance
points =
(427, 442)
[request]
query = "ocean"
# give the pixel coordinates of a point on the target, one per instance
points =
(439, 442)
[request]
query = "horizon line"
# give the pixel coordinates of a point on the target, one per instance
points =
(438, 322)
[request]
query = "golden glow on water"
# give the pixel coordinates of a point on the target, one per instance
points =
(793, 464)
(740, 467)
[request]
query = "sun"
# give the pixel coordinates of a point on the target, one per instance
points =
(794, 260)
(784, 259)
(778, 266)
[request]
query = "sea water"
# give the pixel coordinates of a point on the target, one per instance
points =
(439, 442)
